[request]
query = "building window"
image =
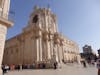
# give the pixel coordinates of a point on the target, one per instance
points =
(11, 51)
(16, 50)
(65, 51)
(35, 19)
(7, 52)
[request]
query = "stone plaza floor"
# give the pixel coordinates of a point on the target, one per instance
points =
(66, 70)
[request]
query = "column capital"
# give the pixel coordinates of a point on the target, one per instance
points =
(6, 22)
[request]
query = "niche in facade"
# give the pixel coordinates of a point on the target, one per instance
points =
(35, 19)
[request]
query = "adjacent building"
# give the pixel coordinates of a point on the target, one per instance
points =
(87, 49)
(88, 53)
(40, 42)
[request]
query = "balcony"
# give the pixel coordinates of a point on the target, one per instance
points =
(6, 19)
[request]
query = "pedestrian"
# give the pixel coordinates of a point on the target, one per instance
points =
(98, 66)
(7, 68)
(84, 63)
(55, 65)
(93, 62)
(4, 69)
(18, 67)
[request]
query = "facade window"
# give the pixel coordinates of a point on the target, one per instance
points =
(11, 51)
(7, 52)
(64, 51)
(16, 50)
(35, 19)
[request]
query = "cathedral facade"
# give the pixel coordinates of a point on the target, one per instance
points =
(40, 41)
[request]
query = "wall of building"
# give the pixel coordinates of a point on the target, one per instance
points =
(40, 41)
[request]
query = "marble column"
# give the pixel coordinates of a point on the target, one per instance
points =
(44, 50)
(59, 53)
(33, 49)
(51, 48)
(48, 50)
(62, 49)
(40, 49)
(3, 31)
(78, 59)
(4, 24)
(56, 52)
(37, 49)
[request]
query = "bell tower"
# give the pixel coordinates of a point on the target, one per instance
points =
(5, 23)
(43, 18)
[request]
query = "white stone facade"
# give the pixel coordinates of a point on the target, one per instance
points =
(40, 41)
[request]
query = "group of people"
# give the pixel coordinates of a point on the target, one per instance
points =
(6, 68)
(97, 61)
(85, 63)
(98, 64)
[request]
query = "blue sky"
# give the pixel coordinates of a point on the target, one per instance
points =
(79, 20)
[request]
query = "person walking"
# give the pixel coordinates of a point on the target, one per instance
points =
(55, 65)
(84, 63)
(98, 65)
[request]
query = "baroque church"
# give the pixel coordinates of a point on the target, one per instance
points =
(40, 42)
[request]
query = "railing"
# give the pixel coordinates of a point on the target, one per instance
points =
(9, 17)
